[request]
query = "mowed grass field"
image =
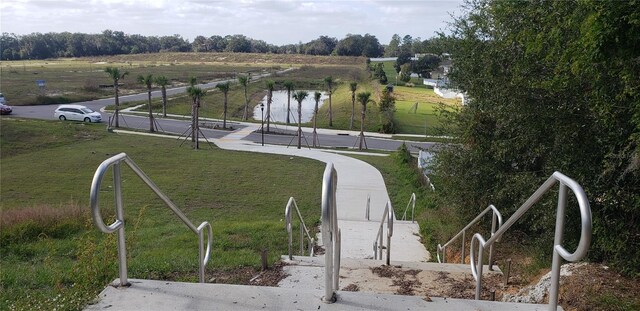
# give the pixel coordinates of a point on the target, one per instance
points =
(52, 256)
(424, 120)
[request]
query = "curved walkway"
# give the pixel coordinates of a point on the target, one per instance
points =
(356, 180)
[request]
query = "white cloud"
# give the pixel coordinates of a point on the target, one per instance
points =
(278, 22)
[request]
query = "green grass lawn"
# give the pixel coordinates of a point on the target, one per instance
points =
(49, 246)
(424, 121)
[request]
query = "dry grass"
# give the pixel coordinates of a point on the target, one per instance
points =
(43, 215)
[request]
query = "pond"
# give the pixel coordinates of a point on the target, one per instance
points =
(279, 107)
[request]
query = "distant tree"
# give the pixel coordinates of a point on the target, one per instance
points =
(353, 86)
(403, 58)
(147, 81)
(394, 46)
(329, 82)
(244, 81)
(299, 96)
(316, 97)
(405, 72)
(322, 46)
(238, 44)
(425, 64)
(163, 81)
(357, 45)
(363, 99)
(270, 85)
(290, 87)
(224, 88)
(116, 75)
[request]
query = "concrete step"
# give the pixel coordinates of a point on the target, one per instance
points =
(404, 278)
(358, 237)
(163, 295)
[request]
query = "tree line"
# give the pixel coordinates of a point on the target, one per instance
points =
(551, 86)
(66, 44)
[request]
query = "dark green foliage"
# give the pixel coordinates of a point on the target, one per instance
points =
(552, 87)
(387, 108)
(403, 58)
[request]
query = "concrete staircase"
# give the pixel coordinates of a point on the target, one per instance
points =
(410, 282)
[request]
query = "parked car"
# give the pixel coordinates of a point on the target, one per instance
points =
(4, 109)
(3, 101)
(77, 113)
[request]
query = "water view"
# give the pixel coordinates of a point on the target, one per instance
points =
(279, 107)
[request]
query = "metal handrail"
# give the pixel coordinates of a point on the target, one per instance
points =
(496, 219)
(331, 236)
(378, 245)
(367, 210)
(559, 251)
(412, 203)
(303, 229)
(118, 224)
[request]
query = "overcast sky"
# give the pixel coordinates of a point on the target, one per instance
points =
(276, 22)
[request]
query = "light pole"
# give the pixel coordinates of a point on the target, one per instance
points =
(262, 126)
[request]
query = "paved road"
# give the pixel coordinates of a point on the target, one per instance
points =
(46, 111)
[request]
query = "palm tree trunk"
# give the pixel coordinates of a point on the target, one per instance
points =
(299, 123)
(197, 128)
(269, 99)
(164, 102)
(330, 112)
(288, 105)
(246, 105)
(315, 119)
(151, 129)
(193, 121)
(353, 108)
(224, 119)
(117, 113)
(362, 127)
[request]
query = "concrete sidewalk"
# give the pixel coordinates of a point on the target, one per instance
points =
(356, 181)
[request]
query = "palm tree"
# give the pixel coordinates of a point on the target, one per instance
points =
(300, 96)
(224, 88)
(115, 75)
(290, 87)
(270, 87)
(316, 97)
(244, 81)
(148, 82)
(329, 81)
(196, 94)
(353, 86)
(363, 99)
(163, 81)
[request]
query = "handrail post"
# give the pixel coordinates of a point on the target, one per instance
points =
(493, 231)
(462, 250)
(329, 232)
(557, 240)
(301, 240)
(366, 213)
(122, 249)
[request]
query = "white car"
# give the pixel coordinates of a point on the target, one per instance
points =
(3, 101)
(77, 113)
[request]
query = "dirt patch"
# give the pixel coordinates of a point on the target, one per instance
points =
(270, 277)
(406, 280)
(351, 288)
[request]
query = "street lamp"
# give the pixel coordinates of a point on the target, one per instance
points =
(262, 126)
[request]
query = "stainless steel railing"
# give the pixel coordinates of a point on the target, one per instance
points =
(118, 225)
(496, 222)
(559, 251)
(303, 229)
(378, 245)
(330, 233)
(368, 208)
(412, 203)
